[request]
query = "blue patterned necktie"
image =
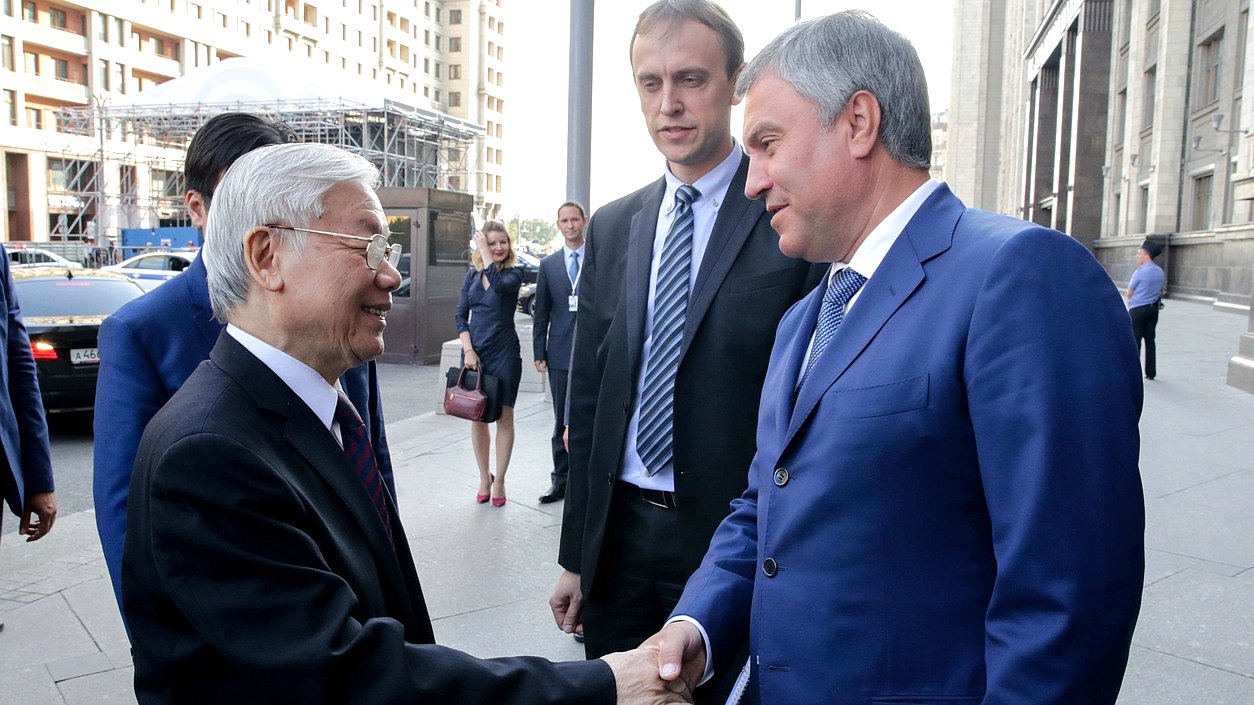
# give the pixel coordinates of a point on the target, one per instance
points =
(831, 313)
(670, 306)
(361, 458)
(574, 268)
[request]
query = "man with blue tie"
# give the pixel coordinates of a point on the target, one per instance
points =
(556, 302)
(682, 286)
(945, 505)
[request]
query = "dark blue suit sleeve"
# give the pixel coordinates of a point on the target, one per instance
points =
(1054, 392)
(129, 392)
(540, 312)
(503, 281)
(28, 407)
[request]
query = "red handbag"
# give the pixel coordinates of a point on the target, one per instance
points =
(464, 402)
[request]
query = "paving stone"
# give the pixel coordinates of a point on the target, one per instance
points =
(1185, 527)
(519, 628)
(1162, 679)
(42, 631)
(115, 687)
(1200, 617)
(1160, 564)
(28, 686)
(77, 666)
(95, 606)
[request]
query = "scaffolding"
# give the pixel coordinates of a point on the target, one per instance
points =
(90, 202)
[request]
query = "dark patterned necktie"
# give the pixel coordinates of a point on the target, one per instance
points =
(831, 313)
(361, 458)
(654, 442)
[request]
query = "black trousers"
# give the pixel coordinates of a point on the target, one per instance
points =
(561, 461)
(638, 584)
(1144, 324)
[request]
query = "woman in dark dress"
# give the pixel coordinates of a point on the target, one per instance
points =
(485, 326)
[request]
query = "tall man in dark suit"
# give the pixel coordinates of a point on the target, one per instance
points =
(945, 505)
(554, 330)
(151, 345)
(264, 558)
(682, 287)
(26, 463)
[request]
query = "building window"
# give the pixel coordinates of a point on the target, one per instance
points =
(102, 32)
(119, 78)
(437, 42)
(1208, 57)
(454, 99)
(1239, 74)
(1151, 87)
(1202, 186)
(454, 16)
(103, 76)
(435, 93)
(1145, 224)
(34, 118)
(32, 62)
(437, 69)
(6, 53)
(454, 72)
(426, 37)
(62, 69)
(56, 17)
(1121, 114)
(10, 107)
(28, 11)
(454, 44)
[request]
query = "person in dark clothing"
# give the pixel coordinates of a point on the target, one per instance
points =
(485, 326)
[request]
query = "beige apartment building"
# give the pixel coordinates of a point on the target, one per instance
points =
(1115, 121)
(77, 166)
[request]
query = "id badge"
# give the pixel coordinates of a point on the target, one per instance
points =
(572, 303)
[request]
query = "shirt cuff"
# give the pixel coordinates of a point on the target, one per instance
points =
(709, 670)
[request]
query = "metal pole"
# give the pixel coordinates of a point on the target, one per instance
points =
(797, 17)
(579, 110)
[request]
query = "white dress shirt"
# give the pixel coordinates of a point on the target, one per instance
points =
(302, 379)
(713, 188)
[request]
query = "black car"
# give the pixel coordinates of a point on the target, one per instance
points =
(527, 299)
(62, 310)
(530, 267)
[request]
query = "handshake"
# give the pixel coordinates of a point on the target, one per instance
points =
(664, 669)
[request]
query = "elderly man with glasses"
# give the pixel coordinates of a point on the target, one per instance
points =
(264, 558)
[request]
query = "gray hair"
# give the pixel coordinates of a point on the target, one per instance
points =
(281, 184)
(828, 59)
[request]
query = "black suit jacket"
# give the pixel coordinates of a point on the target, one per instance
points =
(554, 329)
(743, 286)
(256, 569)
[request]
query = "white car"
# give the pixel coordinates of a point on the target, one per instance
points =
(35, 257)
(152, 269)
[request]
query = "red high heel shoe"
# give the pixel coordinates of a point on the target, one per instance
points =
(483, 498)
(497, 501)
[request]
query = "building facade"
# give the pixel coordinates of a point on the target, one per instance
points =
(58, 54)
(940, 144)
(1115, 121)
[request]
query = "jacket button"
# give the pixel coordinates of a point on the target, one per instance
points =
(626, 408)
(781, 477)
(609, 479)
(770, 567)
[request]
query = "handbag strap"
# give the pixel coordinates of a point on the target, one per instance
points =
(478, 378)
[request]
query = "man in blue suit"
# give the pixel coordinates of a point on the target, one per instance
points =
(26, 475)
(152, 345)
(554, 330)
(945, 505)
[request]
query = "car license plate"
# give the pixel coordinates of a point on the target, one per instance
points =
(85, 356)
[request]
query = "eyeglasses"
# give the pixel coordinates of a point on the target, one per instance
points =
(377, 250)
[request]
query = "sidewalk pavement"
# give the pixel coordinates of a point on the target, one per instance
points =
(487, 572)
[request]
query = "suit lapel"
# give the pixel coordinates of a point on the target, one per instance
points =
(640, 236)
(732, 227)
(929, 233)
(313, 442)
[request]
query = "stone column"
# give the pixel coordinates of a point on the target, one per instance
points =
(1241, 366)
(1088, 129)
(1041, 154)
(1063, 132)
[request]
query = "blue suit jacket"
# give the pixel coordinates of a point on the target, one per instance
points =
(554, 328)
(951, 506)
(147, 350)
(27, 463)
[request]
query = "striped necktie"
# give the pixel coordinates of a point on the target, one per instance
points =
(361, 458)
(654, 442)
(831, 313)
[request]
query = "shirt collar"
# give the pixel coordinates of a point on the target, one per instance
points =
(875, 247)
(712, 187)
(568, 252)
(302, 379)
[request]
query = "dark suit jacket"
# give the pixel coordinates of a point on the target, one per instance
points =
(950, 510)
(256, 569)
(743, 286)
(26, 464)
(147, 350)
(554, 327)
